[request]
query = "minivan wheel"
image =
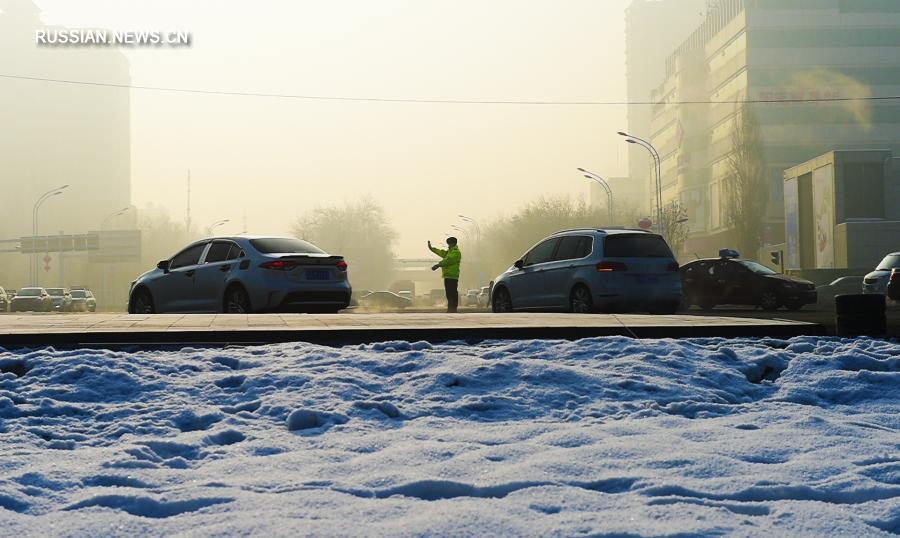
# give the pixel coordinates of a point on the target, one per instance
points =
(580, 301)
(141, 303)
(237, 301)
(502, 302)
(769, 300)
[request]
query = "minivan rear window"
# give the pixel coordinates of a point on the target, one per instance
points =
(636, 246)
(281, 245)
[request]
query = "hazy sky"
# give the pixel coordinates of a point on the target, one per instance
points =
(426, 163)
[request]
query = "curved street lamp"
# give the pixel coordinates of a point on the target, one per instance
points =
(34, 226)
(215, 225)
(113, 215)
(631, 139)
(609, 194)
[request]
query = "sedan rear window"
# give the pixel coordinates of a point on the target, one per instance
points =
(636, 246)
(285, 246)
(78, 294)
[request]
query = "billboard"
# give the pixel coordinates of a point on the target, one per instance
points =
(792, 223)
(823, 209)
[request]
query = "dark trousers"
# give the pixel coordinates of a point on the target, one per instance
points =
(451, 286)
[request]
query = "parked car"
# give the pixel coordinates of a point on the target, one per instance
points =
(61, 298)
(728, 280)
(244, 274)
(4, 300)
(893, 287)
(385, 299)
(877, 280)
(592, 269)
(471, 298)
(484, 297)
(31, 300)
(844, 285)
(83, 300)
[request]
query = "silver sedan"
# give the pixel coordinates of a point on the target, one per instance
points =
(244, 274)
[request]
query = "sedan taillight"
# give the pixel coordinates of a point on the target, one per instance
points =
(279, 265)
(342, 265)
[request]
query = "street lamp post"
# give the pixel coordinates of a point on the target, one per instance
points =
(211, 227)
(474, 224)
(609, 195)
(34, 227)
(113, 215)
(631, 139)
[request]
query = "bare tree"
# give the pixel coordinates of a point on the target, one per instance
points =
(674, 224)
(746, 187)
(359, 231)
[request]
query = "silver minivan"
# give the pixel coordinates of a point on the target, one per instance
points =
(589, 270)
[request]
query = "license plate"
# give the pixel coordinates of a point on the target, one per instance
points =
(318, 275)
(647, 279)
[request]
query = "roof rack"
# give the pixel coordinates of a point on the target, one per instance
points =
(616, 228)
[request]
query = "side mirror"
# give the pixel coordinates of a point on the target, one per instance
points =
(519, 264)
(164, 265)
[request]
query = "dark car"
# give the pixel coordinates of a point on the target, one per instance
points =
(730, 281)
(893, 287)
(31, 299)
(61, 298)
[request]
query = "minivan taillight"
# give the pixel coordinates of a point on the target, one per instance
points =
(279, 265)
(609, 267)
(672, 267)
(342, 265)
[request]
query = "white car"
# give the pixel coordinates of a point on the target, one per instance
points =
(877, 280)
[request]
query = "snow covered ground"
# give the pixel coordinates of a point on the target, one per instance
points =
(606, 436)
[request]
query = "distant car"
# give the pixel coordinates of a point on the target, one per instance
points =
(731, 281)
(845, 285)
(587, 270)
(4, 300)
(484, 297)
(83, 300)
(31, 300)
(385, 299)
(244, 274)
(471, 298)
(877, 280)
(61, 298)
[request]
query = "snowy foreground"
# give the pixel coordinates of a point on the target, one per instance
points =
(607, 436)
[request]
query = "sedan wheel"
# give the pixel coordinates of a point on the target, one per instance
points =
(141, 303)
(581, 302)
(502, 303)
(769, 301)
(237, 301)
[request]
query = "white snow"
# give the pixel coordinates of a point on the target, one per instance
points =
(606, 436)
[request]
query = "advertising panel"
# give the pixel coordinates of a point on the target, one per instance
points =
(792, 223)
(823, 207)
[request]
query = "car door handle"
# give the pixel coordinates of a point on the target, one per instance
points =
(189, 273)
(225, 267)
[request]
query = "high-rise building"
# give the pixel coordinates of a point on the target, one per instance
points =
(784, 52)
(54, 133)
(653, 28)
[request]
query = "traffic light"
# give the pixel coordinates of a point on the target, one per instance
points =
(776, 257)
